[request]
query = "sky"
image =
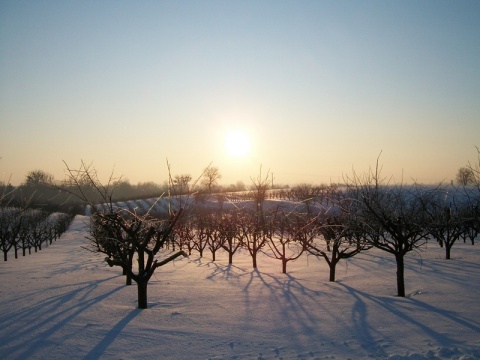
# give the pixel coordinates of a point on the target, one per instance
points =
(319, 89)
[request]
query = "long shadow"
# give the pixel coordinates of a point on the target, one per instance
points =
(220, 269)
(293, 299)
(359, 320)
(447, 267)
(393, 306)
(99, 349)
(56, 312)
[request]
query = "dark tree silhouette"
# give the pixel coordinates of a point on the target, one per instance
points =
(127, 235)
(259, 187)
(475, 169)
(211, 175)
(11, 223)
(392, 214)
(229, 231)
(334, 243)
(254, 232)
(285, 240)
(446, 217)
(184, 234)
(181, 184)
(124, 236)
(39, 177)
(465, 176)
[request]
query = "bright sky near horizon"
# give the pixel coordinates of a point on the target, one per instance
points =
(309, 89)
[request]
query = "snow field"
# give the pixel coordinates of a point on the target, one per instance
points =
(65, 302)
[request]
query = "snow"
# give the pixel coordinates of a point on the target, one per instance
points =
(65, 302)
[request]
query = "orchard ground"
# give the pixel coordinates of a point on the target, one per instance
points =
(65, 302)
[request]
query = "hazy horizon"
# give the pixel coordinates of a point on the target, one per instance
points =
(308, 90)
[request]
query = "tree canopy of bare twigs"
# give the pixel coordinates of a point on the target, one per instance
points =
(211, 176)
(391, 214)
(475, 169)
(465, 176)
(124, 236)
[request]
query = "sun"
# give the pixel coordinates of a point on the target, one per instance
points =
(237, 144)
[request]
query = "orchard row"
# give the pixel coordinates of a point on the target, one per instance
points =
(22, 230)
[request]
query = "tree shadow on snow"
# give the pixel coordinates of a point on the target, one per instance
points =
(99, 349)
(296, 309)
(404, 309)
(51, 315)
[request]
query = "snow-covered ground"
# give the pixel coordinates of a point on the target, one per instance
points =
(66, 303)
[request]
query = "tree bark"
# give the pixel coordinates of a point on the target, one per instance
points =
(128, 279)
(254, 260)
(333, 265)
(142, 294)
(448, 248)
(400, 275)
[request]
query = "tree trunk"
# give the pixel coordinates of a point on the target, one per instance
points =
(128, 279)
(448, 248)
(333, 265)
(284, 265)
(254, 253)
(230, 258)
(142, 294)
(400, 275)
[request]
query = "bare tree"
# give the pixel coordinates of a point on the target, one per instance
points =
(214, 240)
(202, 229)
(471, 215)
(39, 177)
(465, 176)
(259, 187)
(393, 214)
(181, 183)
(334, 244)
(11, 223)
(254, 232)
(229, 231)
(124, 235)
(285, 240)
(184, 234)
(36, 230)
(211, 175)
(446, 217)
(475, 168)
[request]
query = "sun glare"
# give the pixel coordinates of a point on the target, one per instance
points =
(237, 144)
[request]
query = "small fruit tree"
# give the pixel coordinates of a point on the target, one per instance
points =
(122, 235)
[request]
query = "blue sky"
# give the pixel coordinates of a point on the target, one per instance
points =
(320, 87)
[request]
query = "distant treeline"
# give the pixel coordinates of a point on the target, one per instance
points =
(41, 191)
